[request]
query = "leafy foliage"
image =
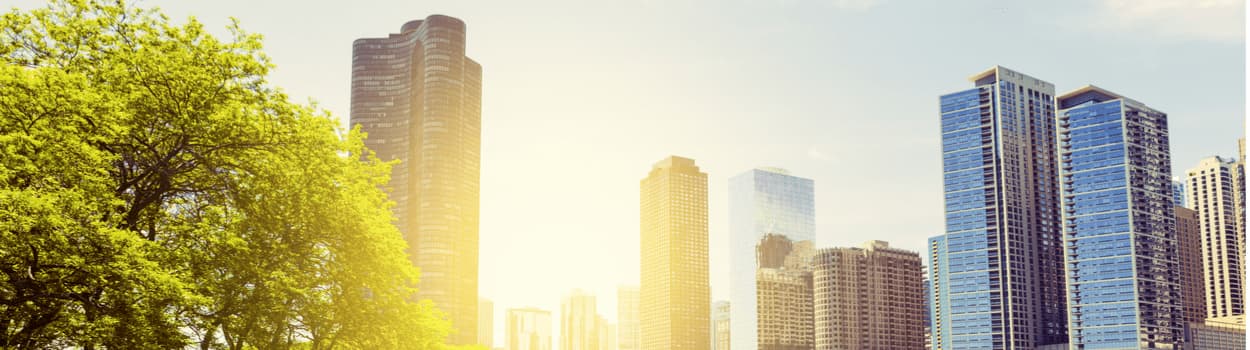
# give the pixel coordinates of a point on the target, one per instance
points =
(156, 192)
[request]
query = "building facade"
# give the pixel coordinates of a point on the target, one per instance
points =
(784, 296)
(528, 329)
(1219, 333)
(419, 98)
(1213, 190)
(1124, 289)
(485, 322)
(720, 325)
(1189, 243)
(996, 274)
(628, 333)
(762, 201)
(1178, 193)
(579, 322)
(675, 294)
(868, 298)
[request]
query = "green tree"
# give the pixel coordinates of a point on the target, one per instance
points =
(156, 192)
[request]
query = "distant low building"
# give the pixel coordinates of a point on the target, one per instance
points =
(1218, 333)
(720, 325)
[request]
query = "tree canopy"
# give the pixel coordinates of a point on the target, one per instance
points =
(157, 192)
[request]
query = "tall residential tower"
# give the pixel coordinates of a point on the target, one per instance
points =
(1124, 284)
(419, 99)
(997, 274)
(868, 298)
(676, 297)
(1213, 190)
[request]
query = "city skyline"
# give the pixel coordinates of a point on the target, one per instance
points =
(839, 228)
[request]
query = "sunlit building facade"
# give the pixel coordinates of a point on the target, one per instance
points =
(720, 325)
(996, 275)
(1189, 255)
(528, 329)
(762, 201)
(1218, 333)
(1213, 190)
(579, 322)
(1124, 286)
(485, 322)
(784, 300)
(419, 98)
(628, 334)
(868, 298)
(675, 294)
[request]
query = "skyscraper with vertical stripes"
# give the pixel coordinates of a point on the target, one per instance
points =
(419, 98)
(996, 275)
(1119, 223)
(676, 298)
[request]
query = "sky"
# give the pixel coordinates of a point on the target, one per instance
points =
(581, 97)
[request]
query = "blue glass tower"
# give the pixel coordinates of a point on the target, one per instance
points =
(1178, 193)
(762, 201)
(996, 276)
(1119, 225)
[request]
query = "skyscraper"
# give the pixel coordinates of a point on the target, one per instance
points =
(628, 334)
(784, 304)
(762, 201)
(579, 322)
(1124, 287)
(1178, 193)
(1213, 192)
(419, 99)
(868, 298)
(720, 325)
(529, 329)
(997, 274)
(485, 323)
(675, 292)
(1189, 243)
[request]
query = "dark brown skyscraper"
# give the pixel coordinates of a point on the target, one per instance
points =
(419, 98)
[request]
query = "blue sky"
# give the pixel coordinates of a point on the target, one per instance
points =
(581, 97)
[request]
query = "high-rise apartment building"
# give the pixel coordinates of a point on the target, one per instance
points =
(720, 325)
(868, 298)
(579, 322)
(1178, 193)
(485, 323)
(1124, 286)
(762, 201)
(1213, 191)
(628, 333)
(784, 301)
(419, 98)
(997, 274)
(1189, 243)
(529, 329)
(675, 294)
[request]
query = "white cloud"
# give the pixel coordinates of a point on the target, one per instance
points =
(816, 154)
(1216, 20)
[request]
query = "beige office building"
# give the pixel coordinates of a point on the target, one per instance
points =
(528, 329)
(675, 294)
(868, 298)
(579, 322)
(783, 290)
(1218, 333)
(720, 325)
(485, 323)
(1213, 188)
(419, 98)
(1189, 241)
(628, 335)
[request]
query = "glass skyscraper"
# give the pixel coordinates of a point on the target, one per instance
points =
(1178, 193)
(762, 201)
(996, 276)
(1123, 277)
(420, 99)
(676, 298)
